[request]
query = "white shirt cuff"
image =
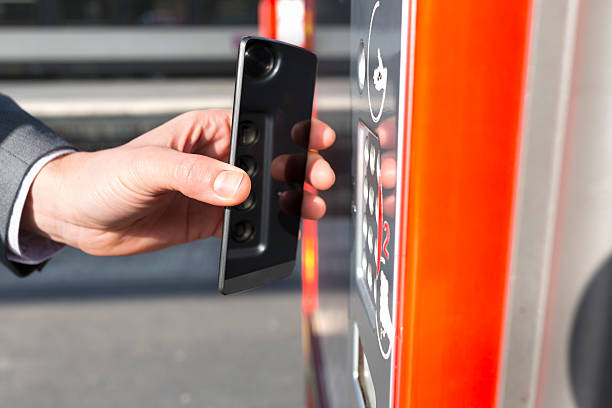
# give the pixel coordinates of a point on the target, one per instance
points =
(25, 247)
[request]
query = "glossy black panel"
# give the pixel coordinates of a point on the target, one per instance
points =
(272, 110)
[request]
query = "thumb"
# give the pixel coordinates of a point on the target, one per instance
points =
(199, 177)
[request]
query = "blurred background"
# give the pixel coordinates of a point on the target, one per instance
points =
(151, 330)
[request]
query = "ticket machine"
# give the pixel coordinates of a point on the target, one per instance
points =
(478, 271)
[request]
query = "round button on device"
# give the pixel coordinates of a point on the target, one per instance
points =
(247, 204)
(248, 164)
(248, 133)
(242, 231)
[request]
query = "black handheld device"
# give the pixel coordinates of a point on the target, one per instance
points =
(273, 99)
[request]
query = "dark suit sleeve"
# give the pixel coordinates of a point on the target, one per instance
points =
(23, 141)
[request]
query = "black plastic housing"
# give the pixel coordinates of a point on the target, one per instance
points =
(273, 99)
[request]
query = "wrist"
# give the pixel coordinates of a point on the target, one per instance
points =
(44, 213)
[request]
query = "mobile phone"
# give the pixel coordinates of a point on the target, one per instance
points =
(273, 99)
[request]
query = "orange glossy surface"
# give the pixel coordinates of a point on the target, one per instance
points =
(457, 203)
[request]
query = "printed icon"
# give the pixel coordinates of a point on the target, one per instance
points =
(380, 75)
(386, 329)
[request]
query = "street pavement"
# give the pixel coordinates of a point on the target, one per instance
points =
(166, 351)
(147, 331)
(151, 331)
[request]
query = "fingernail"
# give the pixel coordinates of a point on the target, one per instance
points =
(227, 183)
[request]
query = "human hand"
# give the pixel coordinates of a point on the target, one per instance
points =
(164, 188)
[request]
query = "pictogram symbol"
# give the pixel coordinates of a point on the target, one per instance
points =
(380, 73)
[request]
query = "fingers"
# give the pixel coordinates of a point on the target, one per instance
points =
(311, 206)
(313, 134)
(289, 168)
(319, 173)
(165, 161)
(199, 177)
(206, 132)
(321, 135)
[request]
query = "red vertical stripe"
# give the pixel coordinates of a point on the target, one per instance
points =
(266, 18)
(457, 202)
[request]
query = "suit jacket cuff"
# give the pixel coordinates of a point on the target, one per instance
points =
(24, 247)
(24, 141)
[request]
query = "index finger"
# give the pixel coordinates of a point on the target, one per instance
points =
(321, 134)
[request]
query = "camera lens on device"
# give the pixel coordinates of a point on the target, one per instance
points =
(242, 231)
(258, 59)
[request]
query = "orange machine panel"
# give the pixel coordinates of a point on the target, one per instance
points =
(457, 203)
